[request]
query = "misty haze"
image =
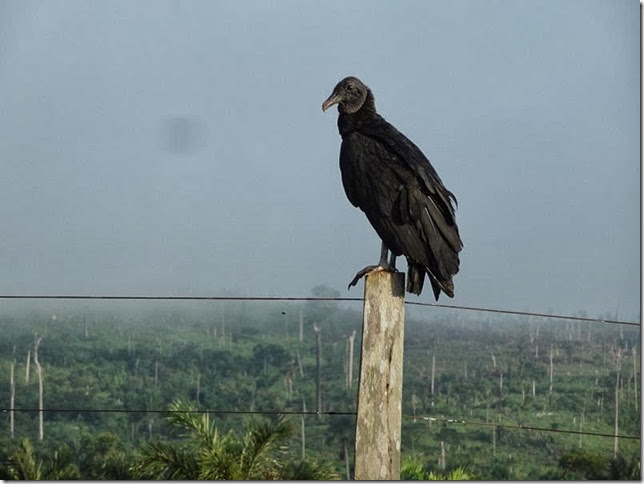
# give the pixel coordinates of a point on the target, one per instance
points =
(178, 148)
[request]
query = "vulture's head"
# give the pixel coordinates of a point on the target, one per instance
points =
(349, 94)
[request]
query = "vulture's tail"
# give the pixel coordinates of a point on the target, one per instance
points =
(416, 278)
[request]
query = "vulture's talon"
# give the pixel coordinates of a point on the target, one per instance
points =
(368, 270)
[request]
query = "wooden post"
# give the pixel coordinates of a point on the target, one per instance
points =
(378, 422)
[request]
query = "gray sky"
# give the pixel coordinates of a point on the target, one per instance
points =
(179, 148)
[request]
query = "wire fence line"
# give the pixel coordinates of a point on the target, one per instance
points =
(415, 418)
(518, 426)
(338, 299)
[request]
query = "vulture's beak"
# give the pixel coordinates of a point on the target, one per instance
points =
(334, 98)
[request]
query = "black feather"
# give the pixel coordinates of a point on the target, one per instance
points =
(390, 179)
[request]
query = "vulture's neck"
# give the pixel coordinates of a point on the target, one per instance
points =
(348, 123)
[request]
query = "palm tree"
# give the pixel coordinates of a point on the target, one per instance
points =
(23, 464)
(205, 454)
(412, 469)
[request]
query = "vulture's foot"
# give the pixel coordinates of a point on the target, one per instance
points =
(368, 270)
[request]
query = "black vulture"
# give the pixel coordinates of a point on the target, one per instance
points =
(392, 182)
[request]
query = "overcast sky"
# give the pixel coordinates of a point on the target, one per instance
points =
(179, 147)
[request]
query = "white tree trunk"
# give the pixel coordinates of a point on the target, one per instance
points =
(303, 430)
(552, 368)
(635, 391)
(27, 366)
(41, 432)
(433, 371)
(318, 360)
(12, 399)
(352, 340)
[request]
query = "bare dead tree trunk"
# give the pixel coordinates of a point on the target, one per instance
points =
(27, 365)
(299, 363)
(285, 325)
(618, 367)
(433, 371)
(552, 371)
(616, 443)
(289, 388)
(352, 339)
(303, 430)
(441, 460)
(12, 399)
(346, 460)
(41, 433)
(345, 365)
(318, 358)
(635, 391)
(582, 420)
(222, 341)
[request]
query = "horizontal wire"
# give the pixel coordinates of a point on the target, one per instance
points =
(351, 299)
(157, 411)
(183, 298)
(520, 426)
(524, 313)
(310, 413)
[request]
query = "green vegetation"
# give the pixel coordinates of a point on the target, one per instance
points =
(205, 454)
(484, 397)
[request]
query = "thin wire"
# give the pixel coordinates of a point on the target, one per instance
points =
(520, 426)
(310, 413)
(186, 298)
(156, 411)
(351, 299)
(524, 313)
